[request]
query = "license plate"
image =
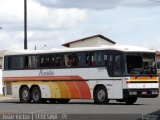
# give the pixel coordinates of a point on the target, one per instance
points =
(143, 93)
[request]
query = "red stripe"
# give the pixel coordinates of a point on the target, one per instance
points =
(83, 87)
(41, 78)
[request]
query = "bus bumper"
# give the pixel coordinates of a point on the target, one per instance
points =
(142, 93)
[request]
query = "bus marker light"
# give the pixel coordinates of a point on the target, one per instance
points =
(154, 92)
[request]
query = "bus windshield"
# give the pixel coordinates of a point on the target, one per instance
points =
(140, 64)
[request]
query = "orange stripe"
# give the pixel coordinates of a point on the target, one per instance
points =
(144, 78)
(73, 90)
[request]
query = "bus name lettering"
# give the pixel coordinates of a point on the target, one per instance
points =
(46, 73)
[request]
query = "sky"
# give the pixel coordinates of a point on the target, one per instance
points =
(54, 22)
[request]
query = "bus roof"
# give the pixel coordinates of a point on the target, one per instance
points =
(124, 48)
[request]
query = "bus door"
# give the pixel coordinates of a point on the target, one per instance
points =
(115, 73)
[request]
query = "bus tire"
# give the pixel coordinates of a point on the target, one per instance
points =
(101, 95)
(63, 100)
(25, 95)
(130, 100)
(36, 94)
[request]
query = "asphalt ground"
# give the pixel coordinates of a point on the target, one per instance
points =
(82, 109)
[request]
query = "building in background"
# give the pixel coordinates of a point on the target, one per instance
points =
(91, 41)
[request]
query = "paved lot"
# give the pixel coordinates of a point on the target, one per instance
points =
(142, 106)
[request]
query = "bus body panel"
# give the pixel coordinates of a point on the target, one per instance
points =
(40, 77)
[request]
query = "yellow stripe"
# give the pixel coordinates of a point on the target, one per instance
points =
(55, 91)
(65, 93)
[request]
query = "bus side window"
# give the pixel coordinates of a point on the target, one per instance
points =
(52, 62)
(60, 60)
(75, 60)
(101, 58)
(117, 65)
(41, 61)
(26, 64)
(110, 65)
(80, 60)
(105, 59)
(87, 59)
(57, 62)
(93, 59)
(69, 60)
(6, 63)
(33, 61)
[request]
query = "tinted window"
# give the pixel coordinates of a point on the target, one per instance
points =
(15, 62)
(114, 64)
(117, 65)
(47, 61)
(57, 60)
(31, 61)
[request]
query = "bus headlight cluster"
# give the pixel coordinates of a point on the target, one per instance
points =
(154, 92)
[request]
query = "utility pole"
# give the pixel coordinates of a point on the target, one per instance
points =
(25, 24)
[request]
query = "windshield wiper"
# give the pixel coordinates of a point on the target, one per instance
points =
(137, 71)
(141, 71)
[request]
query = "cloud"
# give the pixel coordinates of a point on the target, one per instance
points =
(39, 17)
(11, 40)
(43, 22)
(89, 4)
(97, 4)
(11, 14)
(44, 39)
(57, 18)
(14, 40)
(140, 3)
(47, 18)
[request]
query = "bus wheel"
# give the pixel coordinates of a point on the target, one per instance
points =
(130, 100)
(36, 95)
(25, 95)
(63, 100)
(100, 95)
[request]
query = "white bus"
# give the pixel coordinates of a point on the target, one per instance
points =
(122, 73)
